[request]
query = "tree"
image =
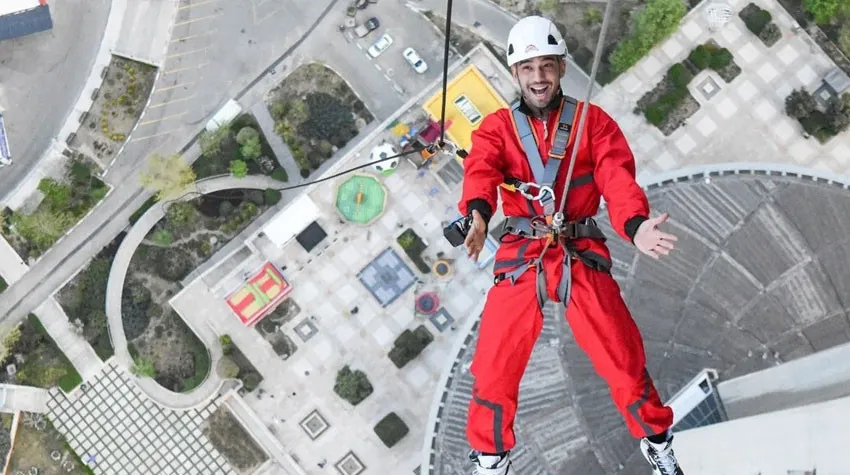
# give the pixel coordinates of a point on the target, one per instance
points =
(825, 10)
(238, 168)
(330, 119)
(227, 368)
(799, 104)
(838, 115)
(844, 40)
(272, 196)
(42, 228)
(251, 150)
(170, 176)
(653, 24)
(180, 215)
(210, 142)
(247, 134)
(56, 194)
(162, 237)
(353, 386)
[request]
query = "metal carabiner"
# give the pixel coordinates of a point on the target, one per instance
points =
(541, 192)
(523, 188)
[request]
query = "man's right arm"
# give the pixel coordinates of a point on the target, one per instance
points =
(483, 169)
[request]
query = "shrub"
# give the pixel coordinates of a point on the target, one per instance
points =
(163, 237)
(353, 386)
(226, 344)
(3, 284)
(251, 381)
(238, 168)
(720, 59)
(823, 11)
(143, 368)
(409, 345)
(255, 196)
(755, 18)
(770, 34)
(227, 368)
(135, 302)
(391, 429)
(271, 196)
(700, 57)
(279, 174)
(225, 209)
(246, 135)
(799, 104)
(679, 76)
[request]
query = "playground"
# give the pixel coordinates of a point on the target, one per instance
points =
(361, 199)
(260, 295)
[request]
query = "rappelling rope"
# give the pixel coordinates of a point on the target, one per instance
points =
(558, 219)
(446, 45)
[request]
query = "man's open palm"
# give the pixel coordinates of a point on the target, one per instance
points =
(652, 241)
(477, 234)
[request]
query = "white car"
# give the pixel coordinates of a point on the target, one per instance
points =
(412, 57)
(381, 45)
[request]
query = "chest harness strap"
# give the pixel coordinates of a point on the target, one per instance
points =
(541, 226)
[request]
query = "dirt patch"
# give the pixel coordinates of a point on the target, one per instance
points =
(190, 233)
(38, 444)
(231, 439)
(270, 327)
(315, 114)
(116, 108)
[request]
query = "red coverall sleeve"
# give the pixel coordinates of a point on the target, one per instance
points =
(483, 168)
(614, 175)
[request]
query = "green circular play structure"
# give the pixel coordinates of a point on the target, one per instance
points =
(361, 199)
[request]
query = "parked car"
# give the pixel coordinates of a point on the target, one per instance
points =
(381, 45)
(371, 25)
(412, 57)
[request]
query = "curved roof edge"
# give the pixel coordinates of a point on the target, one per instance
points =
(696, 172)
(684, 174)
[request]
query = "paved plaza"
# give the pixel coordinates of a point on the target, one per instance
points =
(116, 429)
(745, 120)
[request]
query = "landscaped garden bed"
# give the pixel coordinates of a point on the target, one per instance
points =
(391, 429)
(238, 148)
(668, 104)
(823, 124)
(828, 24)
(712, 56)
(116, 109)
(635, 28)
(409, 345)
(414, 246)
(316, 113)
(235, 365)
(39, 445)
(352, 385)
(84, 300)
(66, 201)
(188, 235)
(38, 361)
(270, 327)
(231, 439)
(760, 23)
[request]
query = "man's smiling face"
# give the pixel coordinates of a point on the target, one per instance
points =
(539, 78)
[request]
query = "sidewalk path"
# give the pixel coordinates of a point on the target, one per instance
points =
(281, 151)
(23, 398)
(53, 317)
(115, 286)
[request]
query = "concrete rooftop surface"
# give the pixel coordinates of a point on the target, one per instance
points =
(758, 279)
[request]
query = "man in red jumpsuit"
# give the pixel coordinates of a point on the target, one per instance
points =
(506, 148)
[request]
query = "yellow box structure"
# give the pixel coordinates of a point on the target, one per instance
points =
(470, 98)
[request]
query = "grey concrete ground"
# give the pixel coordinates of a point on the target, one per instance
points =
(42, 76)
(24, 398)
(144, 31)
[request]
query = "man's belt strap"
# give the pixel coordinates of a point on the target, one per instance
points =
(583, 228)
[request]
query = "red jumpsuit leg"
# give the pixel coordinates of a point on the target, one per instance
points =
(510, 324)
(605, 330)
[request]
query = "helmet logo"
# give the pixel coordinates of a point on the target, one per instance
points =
(530, 48)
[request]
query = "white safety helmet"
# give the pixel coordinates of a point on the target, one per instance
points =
(534, 36)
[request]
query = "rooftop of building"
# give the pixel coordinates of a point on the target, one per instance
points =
(23, 17)
(758, 279)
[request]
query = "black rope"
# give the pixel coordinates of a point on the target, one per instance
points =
(445, 71)
(301, 185)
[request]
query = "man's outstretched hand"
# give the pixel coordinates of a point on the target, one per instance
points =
(652, 241)
(477, 234)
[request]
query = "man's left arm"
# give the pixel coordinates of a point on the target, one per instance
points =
(614, 174)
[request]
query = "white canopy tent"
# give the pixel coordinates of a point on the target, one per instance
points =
(292, 220)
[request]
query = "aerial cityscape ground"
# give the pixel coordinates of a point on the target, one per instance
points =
(178, 297)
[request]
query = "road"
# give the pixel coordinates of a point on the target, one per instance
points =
(225, 77)
(494, 24)
(41, 77)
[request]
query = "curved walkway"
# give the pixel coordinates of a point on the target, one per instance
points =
(115, 286)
